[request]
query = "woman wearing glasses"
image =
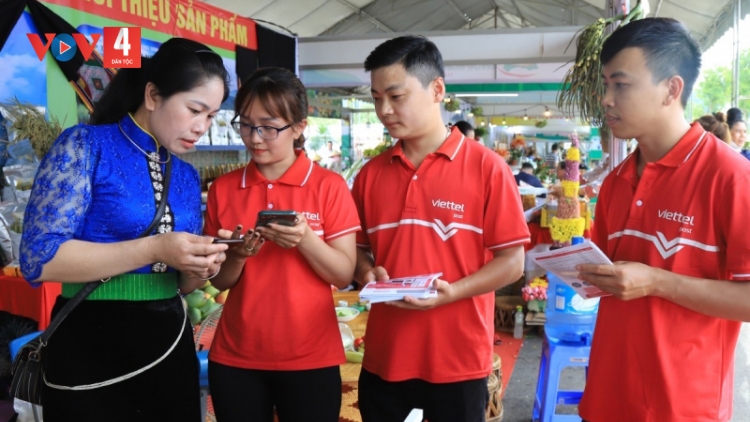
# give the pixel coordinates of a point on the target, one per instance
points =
(278, 344)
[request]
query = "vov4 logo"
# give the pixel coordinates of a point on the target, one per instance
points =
(122, 46)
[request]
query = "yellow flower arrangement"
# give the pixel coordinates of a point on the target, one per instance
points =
(570, 188)
(573, 154)
(539, 282)
(564, 229)
(568, 222)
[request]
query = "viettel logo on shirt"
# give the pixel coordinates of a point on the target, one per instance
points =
(312, 218)
(448, 205)
(678, 217)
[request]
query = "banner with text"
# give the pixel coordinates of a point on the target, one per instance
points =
(180, 18)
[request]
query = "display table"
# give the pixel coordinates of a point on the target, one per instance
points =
(350, 371)
(19, 298)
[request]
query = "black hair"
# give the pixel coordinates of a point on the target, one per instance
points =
(734, 115)
(463, 126)
(555, 147)
(667, 45)
(281, 94)
(419, 56)
(527, 165)
(178, 66)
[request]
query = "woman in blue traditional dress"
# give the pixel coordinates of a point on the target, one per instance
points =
(126, 353)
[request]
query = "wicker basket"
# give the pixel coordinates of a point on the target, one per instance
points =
(494, 411)
(497, 370)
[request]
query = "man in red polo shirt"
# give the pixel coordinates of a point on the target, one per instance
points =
(435, 202)
(671, 217)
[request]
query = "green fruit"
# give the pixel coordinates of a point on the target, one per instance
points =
(208, 309)
(208, 283)
(344, 312)
(196, 299)
(354, 357)
(213, 291)
(194, 315)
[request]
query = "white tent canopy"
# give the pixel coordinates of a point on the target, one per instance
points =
(309, 18)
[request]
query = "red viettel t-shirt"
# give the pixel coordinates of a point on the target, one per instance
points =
(280, 315)
(446, 217)
(651, 359)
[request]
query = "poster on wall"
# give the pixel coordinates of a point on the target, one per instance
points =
(23, 75)
(218, 29)
(149, 48)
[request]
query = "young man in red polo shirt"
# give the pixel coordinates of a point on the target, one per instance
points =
(671, 217)
(435, 202)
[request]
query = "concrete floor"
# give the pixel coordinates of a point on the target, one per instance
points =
(518, 401)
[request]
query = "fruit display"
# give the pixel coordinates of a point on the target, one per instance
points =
(202, 302)
(346, 314)
(356, 355)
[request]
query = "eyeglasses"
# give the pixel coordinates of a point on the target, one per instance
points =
(266, 132)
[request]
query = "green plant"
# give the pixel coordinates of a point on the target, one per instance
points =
(452, 105)
(480, 131)
(374, 152)
(30, 123)
(542, 171)
(353, 169)
(582, 86)
(541, 123)
(477, 111)
(516, 154)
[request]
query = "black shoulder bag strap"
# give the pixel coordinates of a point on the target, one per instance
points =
(90, 287)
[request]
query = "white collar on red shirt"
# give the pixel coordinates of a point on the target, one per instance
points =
(449, 147)
(678, 155)
(297, 175)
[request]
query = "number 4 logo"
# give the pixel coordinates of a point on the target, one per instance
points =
(122, 47)
(121, 43)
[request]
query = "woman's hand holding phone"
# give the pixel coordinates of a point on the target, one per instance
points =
(250, 245)
(194, 255)
(286, 236)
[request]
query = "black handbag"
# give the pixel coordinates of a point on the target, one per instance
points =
(28, 366)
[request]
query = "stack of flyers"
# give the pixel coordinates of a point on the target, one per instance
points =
(418, 286)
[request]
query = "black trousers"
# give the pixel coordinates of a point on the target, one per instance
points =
(244, 395)
(104, 339)
(385, 401)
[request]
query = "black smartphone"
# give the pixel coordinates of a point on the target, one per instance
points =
(283, 218)
(228, 241)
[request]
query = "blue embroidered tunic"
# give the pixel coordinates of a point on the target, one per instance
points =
(95, 185)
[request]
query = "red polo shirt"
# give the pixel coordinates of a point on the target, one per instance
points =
(280, 315)
(651, 359)
(446, 217)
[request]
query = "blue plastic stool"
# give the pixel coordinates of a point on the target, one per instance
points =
(557, 355)
(17, 344)
(203, 360)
